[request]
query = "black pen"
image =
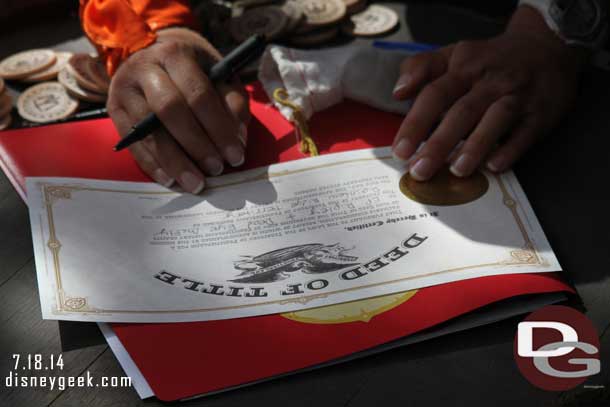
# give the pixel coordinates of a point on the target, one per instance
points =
(235, 60)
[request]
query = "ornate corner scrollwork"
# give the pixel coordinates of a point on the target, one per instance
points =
(54, 193)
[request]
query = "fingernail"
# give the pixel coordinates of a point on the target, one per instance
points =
(401, 83)
(191, 182)
(213, 166)
(402, 150)
(462, 166)
(496, 164)
(235, 156)
(162, 178)
(422, 169)
(243, 134)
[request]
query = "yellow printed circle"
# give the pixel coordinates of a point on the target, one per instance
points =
(445, 189)
(361, 310)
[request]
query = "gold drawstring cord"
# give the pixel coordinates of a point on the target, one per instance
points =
(307, 145)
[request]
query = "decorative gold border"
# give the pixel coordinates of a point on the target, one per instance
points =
(75, 304)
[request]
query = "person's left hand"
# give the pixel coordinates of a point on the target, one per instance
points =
(512, 88)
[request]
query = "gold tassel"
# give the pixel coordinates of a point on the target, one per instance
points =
(307, 145)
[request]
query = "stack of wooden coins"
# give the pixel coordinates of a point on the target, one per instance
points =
(309, 22)
(6, 105)
(63, 80)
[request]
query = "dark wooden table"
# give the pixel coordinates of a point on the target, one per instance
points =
(566, 178)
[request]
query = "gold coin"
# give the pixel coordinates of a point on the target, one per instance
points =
(360, 310)
(268, 20)
(26, 63)
(322, 12)
(6, 104)
(374, 20)
(51, 72)
(46, 102)
(79, 64)
(445, 189)
(67, 79)
(5, 122)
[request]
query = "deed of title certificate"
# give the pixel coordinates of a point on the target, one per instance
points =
(283, 238)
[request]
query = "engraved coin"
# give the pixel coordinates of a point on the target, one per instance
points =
(79, 64)
(374, 20)
(315, 37)
(51, 72)
(5, 122)
(269, 21)
(354, 6)
(46, 102)
(445, 189)
(295, 14)
(66, 78)
(26, 63)
(322, 12)
(97, 72)
(6, 104)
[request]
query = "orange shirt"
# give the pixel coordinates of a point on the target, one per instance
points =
(118, 28)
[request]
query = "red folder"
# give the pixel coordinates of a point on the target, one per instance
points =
(175, 358)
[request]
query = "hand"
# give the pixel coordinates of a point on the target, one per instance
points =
(511, 89)
(205, 125)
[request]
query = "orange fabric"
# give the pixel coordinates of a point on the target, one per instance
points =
(118, 28)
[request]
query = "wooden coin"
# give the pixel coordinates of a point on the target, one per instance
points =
(6, 104)
(51, 72)
(46, 102)
(79, 64)
(445, 189)
(374, 20)
(97, 72)
(26, 63)
(315, 37)
(295, 15)
(268, 20)
(322, 12)
(66, 78)
(5, 122)
(355, 6)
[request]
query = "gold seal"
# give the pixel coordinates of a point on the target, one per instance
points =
(360, 310)
(445, 189)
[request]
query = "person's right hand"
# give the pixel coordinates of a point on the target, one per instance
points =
(205, 125)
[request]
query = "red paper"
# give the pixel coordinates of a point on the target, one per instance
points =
(175, 359)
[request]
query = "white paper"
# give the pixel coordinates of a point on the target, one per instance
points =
(138, 381)
(291, 236)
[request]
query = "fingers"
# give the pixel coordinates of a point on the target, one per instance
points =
(520, 140)
(429, 106)
(210, 110)
(236, 102)
(149, 165)
(143, 157)
(459, 121)
(174, 160)
(417, 70)
(159, 156)
(168, 103)
(496, 122)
